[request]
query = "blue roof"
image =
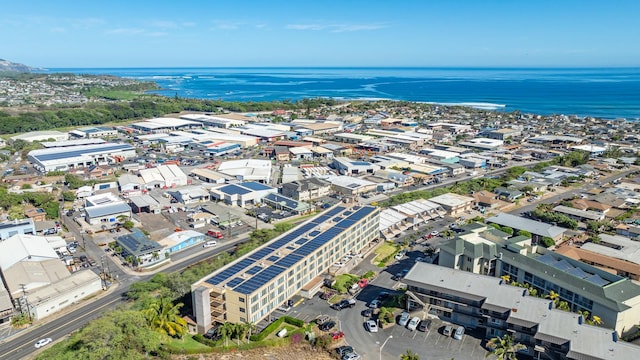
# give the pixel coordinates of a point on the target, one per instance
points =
(256, 186)
(260, 279)
(282, 200)
(234, 190)
(137, 243)
(360, 163)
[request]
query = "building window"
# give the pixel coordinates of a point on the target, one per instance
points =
(242, 310)
(241, 299)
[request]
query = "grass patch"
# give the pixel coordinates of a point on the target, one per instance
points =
(344, 281)
(384, 252)
(112, 94)
(334, 299)
(188, 344)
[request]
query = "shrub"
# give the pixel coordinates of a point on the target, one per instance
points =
(547, 241)
(369, 275)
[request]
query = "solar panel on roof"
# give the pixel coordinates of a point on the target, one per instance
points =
(235, 282)
(289, 260)
(577, 272)
(254, 270)
(301, 241)
(260, 279)
(563, 265)
(234, 190)
(345, 223)
(347, 213)
(258, 255)
(273, 258)
(314, 233)
(547, 259)
(596, 279)
(229, 272)
(58, 155)
(255, 186)
(337, 219)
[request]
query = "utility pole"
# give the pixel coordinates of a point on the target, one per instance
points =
(26, 301)
(103, 276)
(228, 224)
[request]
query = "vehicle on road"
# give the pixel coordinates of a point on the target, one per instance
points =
(344, 350)
(459, 333)
(327, 325)
(215, 234)
(344, 304)
(43, 342)
(210, 243)
(399, 256)
(413, 324)
(322, 319)
(367, 312)
(434, 233)
(404, 319)
(371, 326)
(424, 325)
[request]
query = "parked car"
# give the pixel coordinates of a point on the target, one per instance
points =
(344, 350)
(447, 330)
(383, 295)
(343, 304)
(413, 324)
(351, 356)
(367, 312)
(434, 233)
(322, 319)
(371, 326)
(424, 325)
(399, 256)
(459, 333)
(43, 342)
(375, 304)
(327, 325)
(404, 319)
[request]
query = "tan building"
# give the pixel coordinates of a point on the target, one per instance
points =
(252, 287)
(454, 204)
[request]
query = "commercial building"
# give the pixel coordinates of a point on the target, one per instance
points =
(181, 240)
(351, 186)
(454, 204)
(31, 267)
(41, 136)
(250, 288)
(22, 226)
(163, 176)
(247, 170)
(306, 189)
(143, 251)
(80, 156)
(493, 308)
(350, 167)
(213, 121)
(242, 194)
(164, 125)
(93, 132)
(482, 144)
(105, 209)
(280, 202)
(145, 203)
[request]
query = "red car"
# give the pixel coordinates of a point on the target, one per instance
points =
(363, 282)
(337, 335)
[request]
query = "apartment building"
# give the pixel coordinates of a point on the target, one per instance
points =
(495, 309)
(250, 288)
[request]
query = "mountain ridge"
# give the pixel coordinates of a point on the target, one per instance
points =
(8, 66)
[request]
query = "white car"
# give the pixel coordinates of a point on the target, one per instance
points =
(399, 256)
(413, 324)
(435, 233)
(371, 326)
(43, 342)
(404, 319)
(375, 304)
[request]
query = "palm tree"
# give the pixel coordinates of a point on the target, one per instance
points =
(506, 279)
(226, 330)
(251, 327)
(595, 320)
(553, 296)
(504, 348)
(409, 355)
(563, 305)
(164, 316)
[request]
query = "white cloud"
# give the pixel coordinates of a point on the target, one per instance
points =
(336, 27)
(126, 31)
(227, 24)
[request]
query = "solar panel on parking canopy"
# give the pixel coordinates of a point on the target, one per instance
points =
(229, 272)
(260, 279)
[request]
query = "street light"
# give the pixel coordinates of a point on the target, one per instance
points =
(383, 344)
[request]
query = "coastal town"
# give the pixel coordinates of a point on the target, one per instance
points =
(393, 226)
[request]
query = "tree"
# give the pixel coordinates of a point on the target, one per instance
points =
(553, 296)
(504, 348)
(547, 241)
(68, 196)
(409, 355)
(226, 331)
(128, 224)
(524, 233)
(164, 317)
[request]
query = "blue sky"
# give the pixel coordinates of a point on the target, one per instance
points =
(476, 33)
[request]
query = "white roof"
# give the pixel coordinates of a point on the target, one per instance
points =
(300, 150)
(22, 247)
(627, 249)
(178, 237)
(172, 122)
(452, 200)
(348, 181)
(151, 175)
(390, 217)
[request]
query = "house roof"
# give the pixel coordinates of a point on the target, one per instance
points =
(532, 226)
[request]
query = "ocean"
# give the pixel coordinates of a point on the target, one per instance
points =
(608, 93)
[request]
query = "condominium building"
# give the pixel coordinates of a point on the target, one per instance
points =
(615, 299)
(493, 308)
(250, 288)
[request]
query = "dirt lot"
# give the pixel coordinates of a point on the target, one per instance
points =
(300, 352)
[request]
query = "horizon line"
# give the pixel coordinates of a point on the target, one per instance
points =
(351, 67)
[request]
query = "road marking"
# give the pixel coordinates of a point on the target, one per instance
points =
(462, 343)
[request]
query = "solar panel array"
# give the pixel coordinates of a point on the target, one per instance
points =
(256, 186)
(306, 245)
(564, 266)
(234, 189)
(260, 279)
(229, 272)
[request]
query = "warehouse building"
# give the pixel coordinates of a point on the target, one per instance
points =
(250, 288)
(72, 157)
(242, 194)
(41, 136)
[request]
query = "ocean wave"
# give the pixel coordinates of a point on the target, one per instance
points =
(475, 105)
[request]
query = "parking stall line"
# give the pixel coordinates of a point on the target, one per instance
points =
(462, 343)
